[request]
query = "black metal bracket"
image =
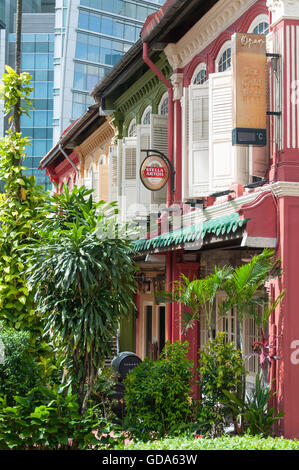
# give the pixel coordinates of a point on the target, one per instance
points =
(273, 56)
(151, 152)
(273, 113)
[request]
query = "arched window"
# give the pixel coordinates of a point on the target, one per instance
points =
(224, 59)
(163, 105)
(146, 117)
(260, 25)
(132, 129)
(200, 75)
(261, 28)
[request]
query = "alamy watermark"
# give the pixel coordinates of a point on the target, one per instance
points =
(141, 221)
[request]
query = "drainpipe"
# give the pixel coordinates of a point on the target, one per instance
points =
(170, 112)
(169, 279)
(68, 159)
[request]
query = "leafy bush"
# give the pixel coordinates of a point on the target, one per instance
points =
(19, 372)
(47, 419)
(258, 417)
(245, 442)
(220, 370)
(158, 394)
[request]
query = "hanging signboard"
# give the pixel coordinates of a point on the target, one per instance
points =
(249, 71)
(154, 172)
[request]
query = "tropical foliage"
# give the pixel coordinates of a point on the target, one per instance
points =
(83, 279)
(158, 394)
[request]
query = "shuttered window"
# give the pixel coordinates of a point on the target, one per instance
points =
(130, 163)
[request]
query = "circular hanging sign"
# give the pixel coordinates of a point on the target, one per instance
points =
(154, 172)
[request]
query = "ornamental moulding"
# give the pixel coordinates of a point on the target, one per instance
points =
(283, 9)
(206, 30)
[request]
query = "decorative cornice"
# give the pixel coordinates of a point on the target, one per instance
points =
(283, 9)
(97, 139)
(207, 29)
(142, 88)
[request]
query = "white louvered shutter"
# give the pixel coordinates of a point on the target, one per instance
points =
(185, 143)
(159, 141)
(87, 182)
(129, 174)
(228, 163)
(96, 186)
(113, 182)
(199, 139)
(143, 143)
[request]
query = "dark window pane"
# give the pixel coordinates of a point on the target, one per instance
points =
(42, 47)
(28, 47)
(40, 133)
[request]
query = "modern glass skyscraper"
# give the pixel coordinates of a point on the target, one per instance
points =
(67, 47)
(90, 37)
(37, 59)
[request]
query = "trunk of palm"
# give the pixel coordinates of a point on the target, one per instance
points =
(17, 114)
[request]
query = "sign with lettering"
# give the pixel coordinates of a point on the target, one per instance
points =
(249, 70)
(154, 172)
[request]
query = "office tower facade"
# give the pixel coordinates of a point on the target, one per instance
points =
(90, 37)
(38, 23)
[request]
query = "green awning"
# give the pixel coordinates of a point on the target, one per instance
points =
(219, 226)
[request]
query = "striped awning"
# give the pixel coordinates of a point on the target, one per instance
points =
(219, 226)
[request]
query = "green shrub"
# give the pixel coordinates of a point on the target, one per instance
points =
(19, 372)
(221, 368)
(245, 442)
(259, 418)
(158, 394)
(47, 419)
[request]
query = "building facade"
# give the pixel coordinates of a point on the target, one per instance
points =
(228, 202)
(38, 21)
(90, 38)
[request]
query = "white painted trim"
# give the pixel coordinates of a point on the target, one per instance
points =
(223, 14)
(259, 242)
(263, 18)
(279, 189)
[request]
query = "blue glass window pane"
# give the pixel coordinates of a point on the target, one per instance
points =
(81, 51)
(39, 147)
(130, 10)
(130, 32)
(41, 61)
(50, 60)
(141, 13)
(95, 23)
(105, 56)
(40, 118)
(49, 118)
(79, 80)
(40, 133)
(41, 75)
(28, 47)
(40, 89)
(28, 150)
(116, 56)
(119, 7)
(118, 29)
(78, 110)
(27, 61)
(27, 121)
(42, 47)
(107, 5)
(91, 81)
(50, 90)
(107, 26)
(83, 20)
